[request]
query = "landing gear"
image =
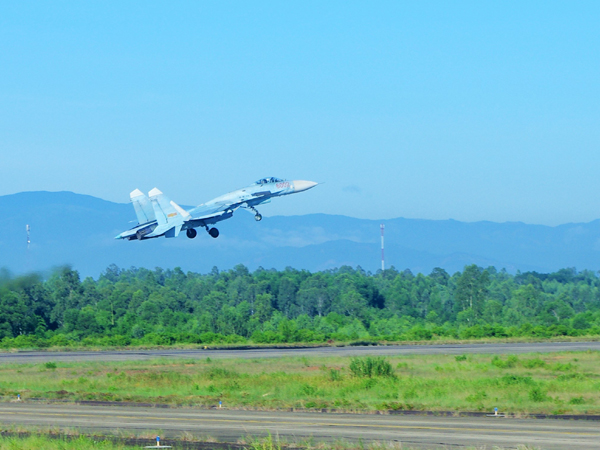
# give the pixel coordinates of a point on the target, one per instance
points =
(212, 231)
(257, 215)
(191, 233)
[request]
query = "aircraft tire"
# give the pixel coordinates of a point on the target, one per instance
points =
(191, 233)
(258, 217)
(213, 232)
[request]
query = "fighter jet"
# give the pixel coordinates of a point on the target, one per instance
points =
(157, 215)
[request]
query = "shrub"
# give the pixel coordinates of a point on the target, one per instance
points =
(335, 375)
(419, 334)
(209, 337)
(533, 363)
(460, 358)
(307, 390)
(266, 337)
(60, 340)
(371, 366)
(50, 365)
(563, 367)
(536, 394)
(219, 373)
(571, 376)
(510, 362)
(477, 397)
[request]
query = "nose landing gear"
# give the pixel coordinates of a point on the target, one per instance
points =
(257, 215)
(191, 233)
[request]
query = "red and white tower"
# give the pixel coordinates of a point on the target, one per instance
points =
(382, 255)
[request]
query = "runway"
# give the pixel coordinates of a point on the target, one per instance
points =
(384, 350)
(229, 426)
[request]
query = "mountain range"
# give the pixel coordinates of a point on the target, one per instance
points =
(79, 230)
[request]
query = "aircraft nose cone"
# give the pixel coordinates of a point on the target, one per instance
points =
(301, 185)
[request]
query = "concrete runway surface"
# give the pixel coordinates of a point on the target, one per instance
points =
(387, 350)
(229, 426)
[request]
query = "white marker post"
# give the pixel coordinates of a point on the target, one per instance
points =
(496, 414)
(157, 444)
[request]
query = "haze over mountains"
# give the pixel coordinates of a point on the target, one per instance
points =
(69, 228)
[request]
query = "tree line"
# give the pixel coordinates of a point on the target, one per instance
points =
(138, 306)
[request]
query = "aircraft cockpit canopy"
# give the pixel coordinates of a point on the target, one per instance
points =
(269, 180)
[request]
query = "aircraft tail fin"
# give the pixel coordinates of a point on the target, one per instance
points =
(169, 215)
(143, 207)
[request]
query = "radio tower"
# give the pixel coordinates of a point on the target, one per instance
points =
(382, 257)
(28, 237)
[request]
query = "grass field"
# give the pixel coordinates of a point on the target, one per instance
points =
(556, 383)
(47, 442)
(44, 442)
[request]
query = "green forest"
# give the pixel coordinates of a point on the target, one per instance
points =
(164, 307)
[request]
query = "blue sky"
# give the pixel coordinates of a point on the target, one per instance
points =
(420, 109)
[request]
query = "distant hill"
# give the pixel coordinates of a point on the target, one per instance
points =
(68, 228)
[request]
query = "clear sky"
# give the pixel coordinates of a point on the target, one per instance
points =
(482, 110)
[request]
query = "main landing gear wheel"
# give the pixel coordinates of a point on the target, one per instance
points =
(191, 233)
(213, 232)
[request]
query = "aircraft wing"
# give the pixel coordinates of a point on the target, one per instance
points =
(210, 214)
(215, 212)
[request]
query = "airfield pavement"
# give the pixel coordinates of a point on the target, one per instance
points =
(229, 426)
(32, 357)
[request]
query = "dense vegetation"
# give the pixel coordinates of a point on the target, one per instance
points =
(161, 307)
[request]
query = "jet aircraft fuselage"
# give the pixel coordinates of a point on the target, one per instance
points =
(159, 216)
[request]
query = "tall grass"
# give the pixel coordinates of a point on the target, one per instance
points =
(556, 383)
(44, 442)
(371, 366)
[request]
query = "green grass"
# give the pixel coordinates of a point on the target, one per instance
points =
(557, 383)
(44, 442)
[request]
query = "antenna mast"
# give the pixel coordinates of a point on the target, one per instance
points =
(28, 229)
(382, 254)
